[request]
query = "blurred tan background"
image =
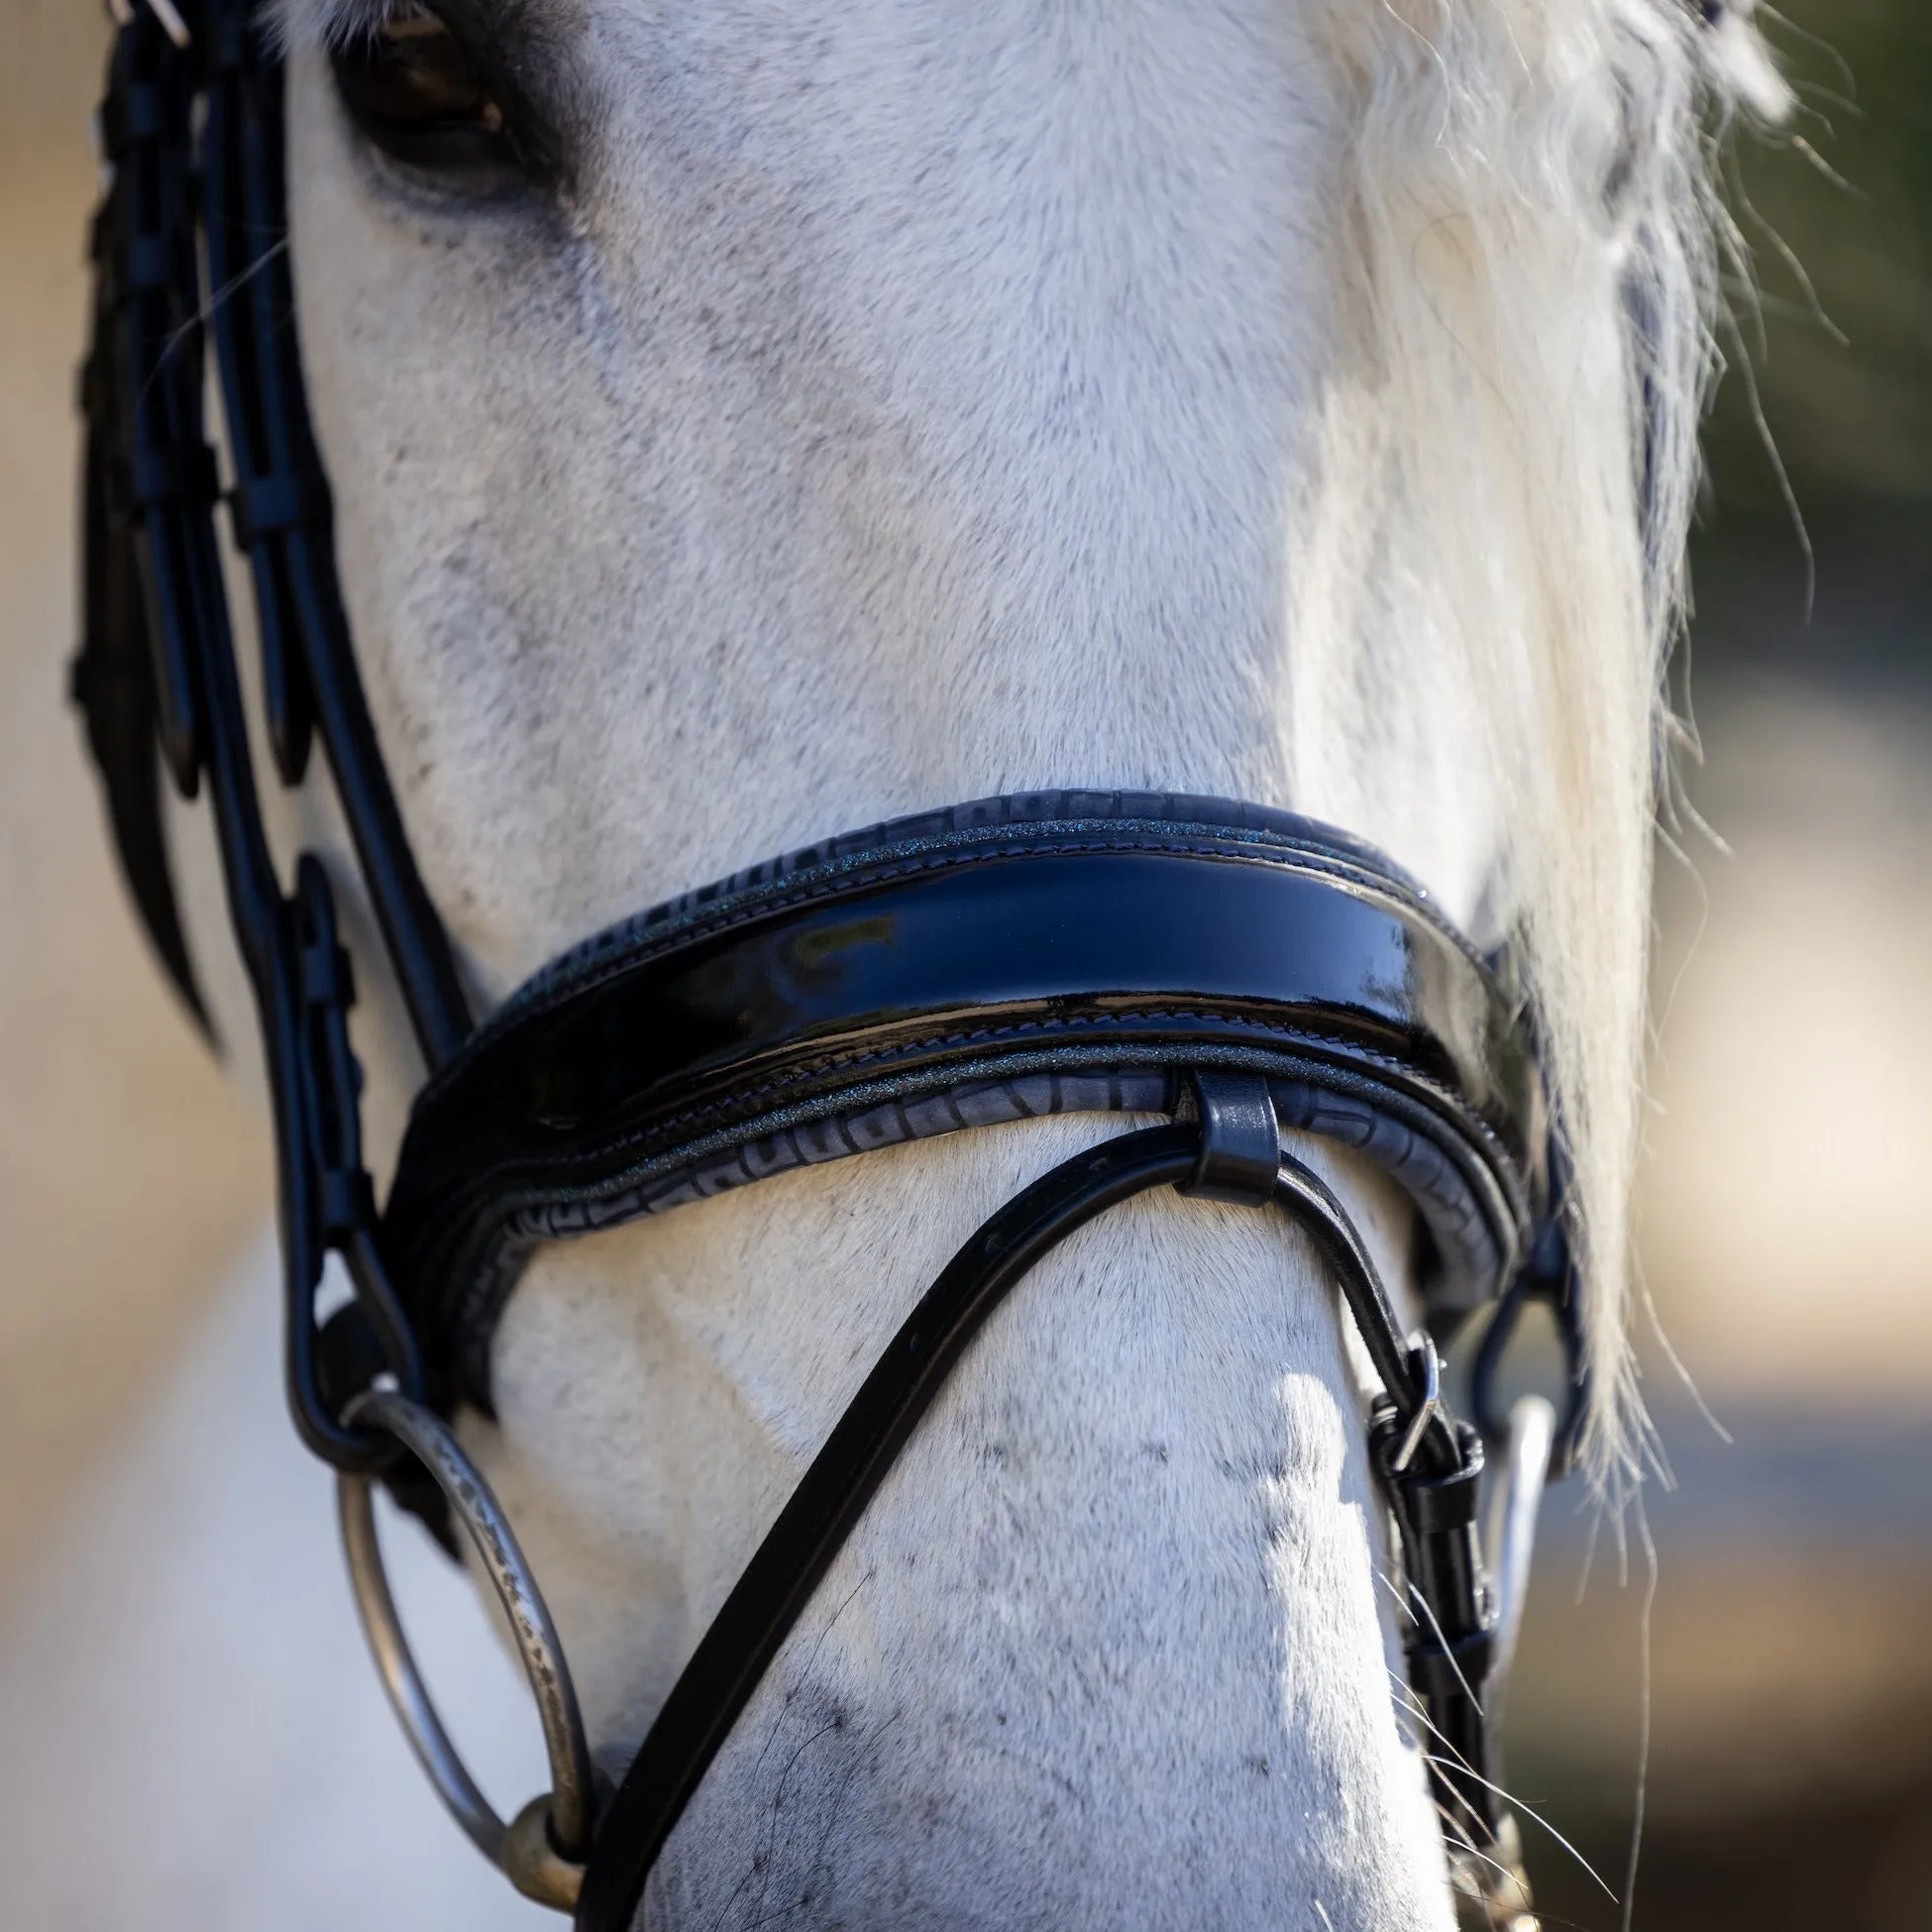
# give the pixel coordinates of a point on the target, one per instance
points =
(1784, 1212)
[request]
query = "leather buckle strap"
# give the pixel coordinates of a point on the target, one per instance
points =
(1431, 1498)
(309, 674)
(323, 990)
(197, 153)
(1449, 1642)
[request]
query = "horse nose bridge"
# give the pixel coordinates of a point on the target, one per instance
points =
(1126, 1556)
(1073, 1784)
(1110, 1625)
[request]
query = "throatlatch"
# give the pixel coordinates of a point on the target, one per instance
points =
(1240, 970)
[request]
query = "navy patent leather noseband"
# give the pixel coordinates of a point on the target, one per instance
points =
(1053, 952)
(1235, 969)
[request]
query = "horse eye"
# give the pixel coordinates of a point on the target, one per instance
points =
(415, 92)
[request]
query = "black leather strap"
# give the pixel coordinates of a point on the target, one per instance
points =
(112, 683)
(738, 1649)
(280, 506)
(196, 141)
(758, 1615)
(282, 500)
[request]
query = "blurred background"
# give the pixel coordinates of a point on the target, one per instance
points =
(1790, 1144)
(1785, 1746)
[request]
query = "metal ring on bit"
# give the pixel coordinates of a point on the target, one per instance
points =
(542, 1851)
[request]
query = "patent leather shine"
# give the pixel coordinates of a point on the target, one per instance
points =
(1064, 932)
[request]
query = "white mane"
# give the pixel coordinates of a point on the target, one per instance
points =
(1533, 237)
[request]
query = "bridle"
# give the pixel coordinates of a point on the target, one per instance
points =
(1235, 969)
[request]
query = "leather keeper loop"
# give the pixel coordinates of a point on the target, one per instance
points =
(133, 113)
(1241, 1140)
(1440, 1671)
(153, 477)
(286, 499)
(146, 264)
(1448, 1504)
(328, 978)
(1469, 1654)
(346, 1200)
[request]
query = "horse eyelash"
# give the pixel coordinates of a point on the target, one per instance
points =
(334, 23)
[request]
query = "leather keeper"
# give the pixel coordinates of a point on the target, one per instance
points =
(133, 113)
(1241, 1140)
(284, 499)
(1444, 1505)
(153, 477)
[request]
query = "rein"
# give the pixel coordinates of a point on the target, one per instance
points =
(1240, 970)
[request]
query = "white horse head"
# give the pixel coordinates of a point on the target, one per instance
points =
(759, 419)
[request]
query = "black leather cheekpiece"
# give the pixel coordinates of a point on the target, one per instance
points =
(1052, 952)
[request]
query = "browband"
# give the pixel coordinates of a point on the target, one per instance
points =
(1053, 952)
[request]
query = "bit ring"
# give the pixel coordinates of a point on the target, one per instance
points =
(542, 1853)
